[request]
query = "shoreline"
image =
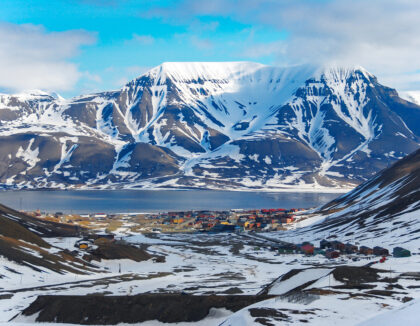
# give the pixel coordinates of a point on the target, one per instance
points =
(246, 190)
(154, 201)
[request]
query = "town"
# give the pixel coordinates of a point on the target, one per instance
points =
(236, 220)
(250, 223)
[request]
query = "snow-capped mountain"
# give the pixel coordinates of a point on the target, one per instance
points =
(214, 125)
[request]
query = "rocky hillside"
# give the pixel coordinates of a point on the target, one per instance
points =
(22, 246)
(210, 125)
(384, 210)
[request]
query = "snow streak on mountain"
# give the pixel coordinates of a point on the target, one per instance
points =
(230, 125)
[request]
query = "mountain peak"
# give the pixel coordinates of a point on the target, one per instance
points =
(34, 94)
(204, 70)
(188, 71)
(342, 72)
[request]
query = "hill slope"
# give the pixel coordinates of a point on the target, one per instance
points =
(383, 211)
(214, 125)
(21, 242)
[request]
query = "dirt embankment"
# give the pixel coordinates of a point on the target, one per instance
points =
(116, 250)
(111, 310)
(353, 275)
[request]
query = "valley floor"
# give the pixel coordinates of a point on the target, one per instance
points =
(318, 292)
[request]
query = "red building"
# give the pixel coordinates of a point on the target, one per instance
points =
(307, 249)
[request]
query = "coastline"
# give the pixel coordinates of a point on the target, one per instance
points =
(321, 190)
(147, 200)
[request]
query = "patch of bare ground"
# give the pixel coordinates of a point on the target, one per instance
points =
(352, 275)
(266, 316)
(116, 250)
(111, 310)
(384, 293)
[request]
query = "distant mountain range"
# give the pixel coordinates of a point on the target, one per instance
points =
(233, 125)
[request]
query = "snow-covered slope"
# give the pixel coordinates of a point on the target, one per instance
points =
(215, 125)
(382, 211)
(407, 314)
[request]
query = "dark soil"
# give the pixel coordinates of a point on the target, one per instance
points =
(115, 250)
(111, 310)
(384, 293)
(266, 316)
(353, 275)
(234, 290)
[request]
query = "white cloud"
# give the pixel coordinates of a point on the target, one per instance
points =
(32, 58)
(382, 35)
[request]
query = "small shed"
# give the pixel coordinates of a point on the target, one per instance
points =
(400, 252)
(83, 244)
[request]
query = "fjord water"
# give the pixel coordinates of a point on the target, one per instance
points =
(135, 201)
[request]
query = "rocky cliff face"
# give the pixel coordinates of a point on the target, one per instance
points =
(211, 125)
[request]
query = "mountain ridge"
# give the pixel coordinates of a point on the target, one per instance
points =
(230, 125)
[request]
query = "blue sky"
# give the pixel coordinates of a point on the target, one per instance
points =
(81, 46)
(126, 41)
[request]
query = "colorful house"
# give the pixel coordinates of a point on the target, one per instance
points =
(350, 248)
(332, 254)
(307, 248)
(324, 244)
(379, 251)
(286, 220)
(337, 245)
(400, 252)
(366, 251)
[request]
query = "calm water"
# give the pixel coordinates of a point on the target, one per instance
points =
(130, 201)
